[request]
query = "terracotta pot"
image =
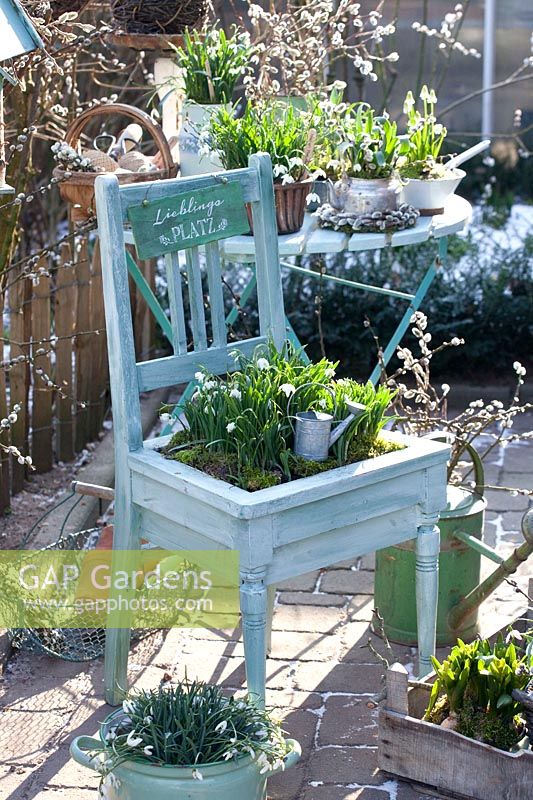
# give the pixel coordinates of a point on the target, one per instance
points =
(290, 200)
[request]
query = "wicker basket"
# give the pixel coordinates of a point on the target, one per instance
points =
(78, 190)
(157, 16)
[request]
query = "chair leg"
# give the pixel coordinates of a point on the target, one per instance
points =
(254, 597)
(271, 599)
(427, 587)
(117, 644)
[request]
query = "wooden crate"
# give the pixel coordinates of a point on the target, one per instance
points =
(440, 758)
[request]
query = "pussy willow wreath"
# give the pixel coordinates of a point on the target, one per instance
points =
(157, 16)
(373, 222)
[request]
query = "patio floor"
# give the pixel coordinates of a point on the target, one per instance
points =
(320, 677)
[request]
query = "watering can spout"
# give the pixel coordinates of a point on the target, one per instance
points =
(468, 605)
(355, 409)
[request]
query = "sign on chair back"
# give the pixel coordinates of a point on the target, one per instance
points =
(168, 217)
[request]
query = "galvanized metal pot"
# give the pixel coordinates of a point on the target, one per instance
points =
(225, 780)
(361, 196)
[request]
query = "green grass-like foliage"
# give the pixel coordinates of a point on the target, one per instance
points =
(476, 682)
(371, 145)
(193, 724)
(274, 128)
(426, 137)
(212, 63)
(246, 420)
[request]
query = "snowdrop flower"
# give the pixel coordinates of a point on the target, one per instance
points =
(287, 389)
(518, 368)
(312, 197)
(221, 727)
(236, 394)
(148, 750)
(148, 720)
(128, 706)
(111, 735)
(287, 179)
(197, 775)
(329, 373)
(199, 376)
(230, 427)
(262, 363)
(164, 417)
(132, 740)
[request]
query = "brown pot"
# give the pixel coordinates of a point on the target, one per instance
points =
(290, 200)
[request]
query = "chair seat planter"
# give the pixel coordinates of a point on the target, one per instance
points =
(287, 530)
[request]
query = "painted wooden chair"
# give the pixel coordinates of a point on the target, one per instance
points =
(281, 531)
(128, 379)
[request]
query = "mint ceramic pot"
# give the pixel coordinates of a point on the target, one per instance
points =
(131, 780)
(194, 118)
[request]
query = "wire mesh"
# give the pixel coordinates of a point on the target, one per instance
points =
(69, 644)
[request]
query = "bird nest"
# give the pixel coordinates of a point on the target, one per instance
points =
(157, 16)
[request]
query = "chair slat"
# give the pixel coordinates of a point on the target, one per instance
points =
(180, 369)
(196, 298)
(216, 297)
(175, 301)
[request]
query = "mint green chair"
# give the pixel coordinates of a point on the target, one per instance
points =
(279, 532)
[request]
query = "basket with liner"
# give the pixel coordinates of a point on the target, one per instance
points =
(77, 187)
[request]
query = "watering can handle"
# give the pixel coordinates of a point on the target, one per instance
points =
(309, 383)
(80, 745)
(479, 473)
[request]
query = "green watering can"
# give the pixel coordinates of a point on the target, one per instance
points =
(133, 780)
(460, 589)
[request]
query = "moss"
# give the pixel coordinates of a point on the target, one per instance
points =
(253, 479)
(303, 468)
(497, 731)
(362, 447)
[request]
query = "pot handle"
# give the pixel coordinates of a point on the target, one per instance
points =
(292, 757)
(79, 745)
(295, 753)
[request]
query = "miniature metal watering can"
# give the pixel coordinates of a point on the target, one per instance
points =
(312, 433)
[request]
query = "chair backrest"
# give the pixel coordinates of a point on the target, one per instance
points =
(128, 378)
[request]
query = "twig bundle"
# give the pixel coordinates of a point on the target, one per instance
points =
(157, 16)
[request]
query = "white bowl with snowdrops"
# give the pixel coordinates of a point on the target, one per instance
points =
(429, 195)
(229, 746)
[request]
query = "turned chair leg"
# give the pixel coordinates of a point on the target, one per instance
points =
(271, 600)
(427, 587)
(254, 597)
(117, 644)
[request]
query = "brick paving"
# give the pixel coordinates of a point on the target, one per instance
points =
(321, 676)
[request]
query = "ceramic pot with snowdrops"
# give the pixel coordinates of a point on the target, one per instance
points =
(186, 741)
(195, 154)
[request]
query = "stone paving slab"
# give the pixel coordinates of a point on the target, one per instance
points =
(321, 679)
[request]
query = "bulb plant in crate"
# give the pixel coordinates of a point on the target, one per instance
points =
(188, 739)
